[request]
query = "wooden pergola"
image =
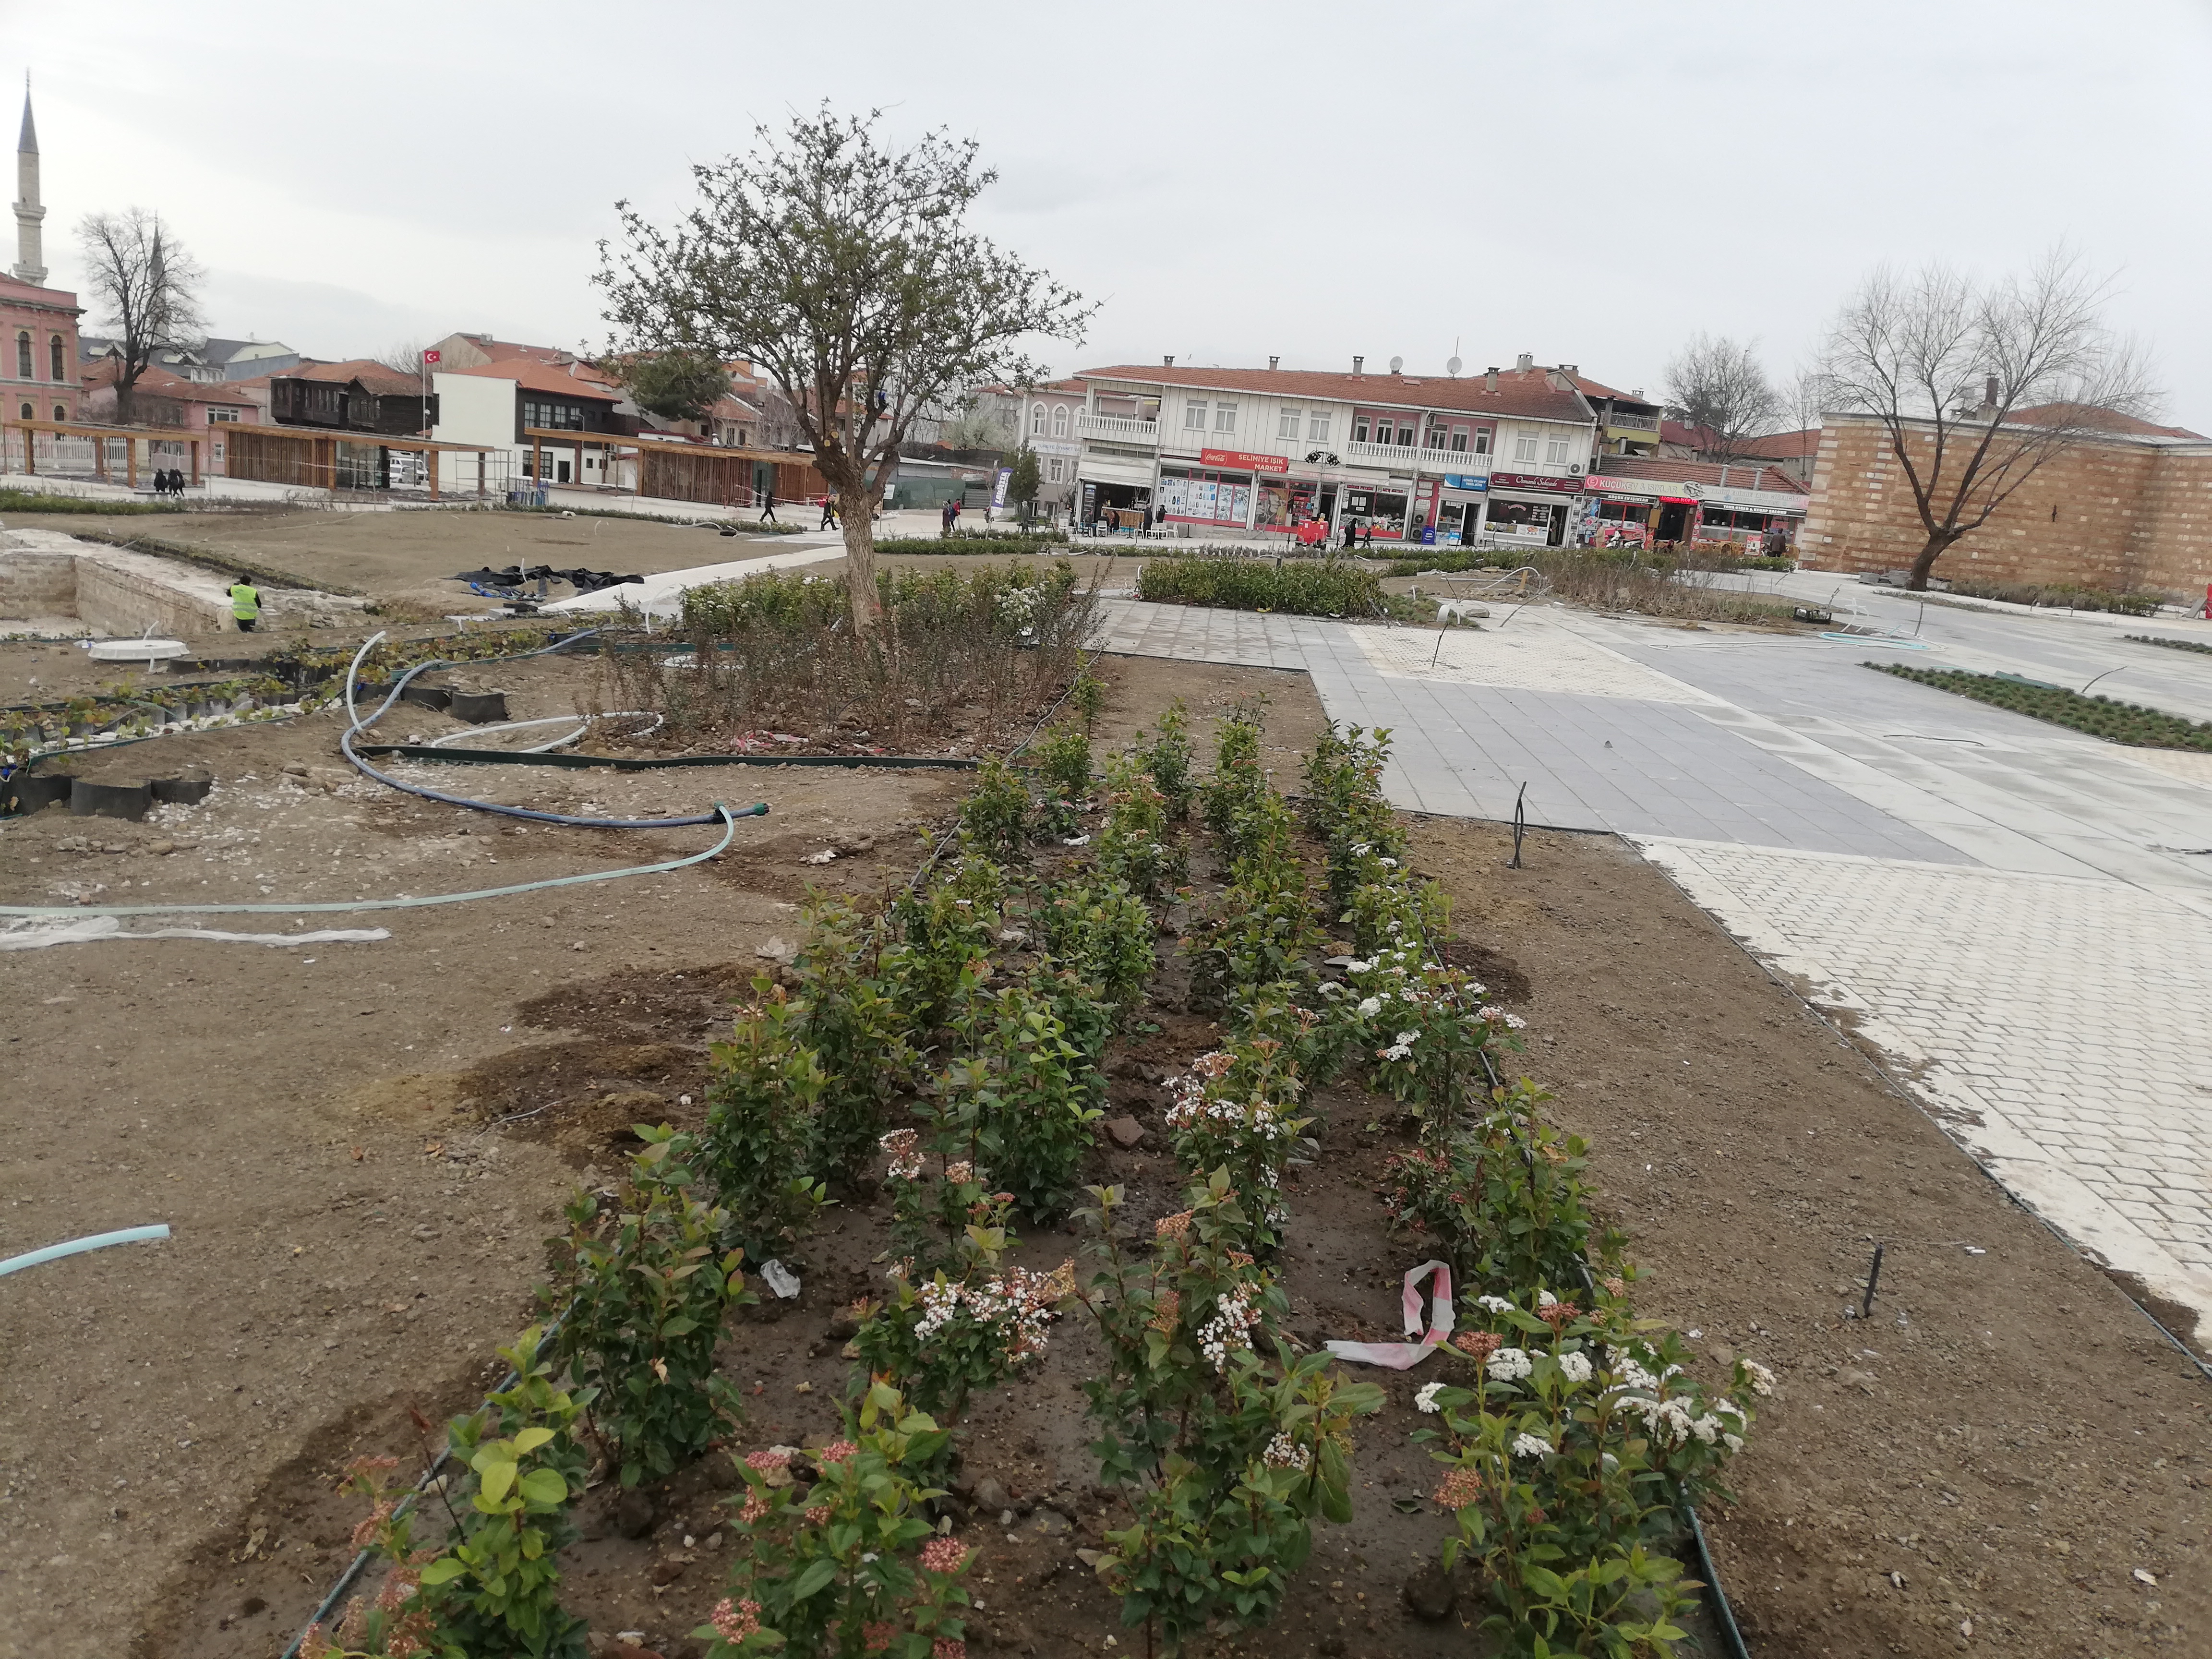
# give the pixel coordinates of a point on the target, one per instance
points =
(132, 435)
(683, 470)
(308, 456)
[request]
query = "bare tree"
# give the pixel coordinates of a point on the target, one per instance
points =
(145, 285)
(402, 357)
(844, 268)
(1978, 387)
(1718, 389)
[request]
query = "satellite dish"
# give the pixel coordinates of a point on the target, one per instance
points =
(1452, 366)
(1397, 363)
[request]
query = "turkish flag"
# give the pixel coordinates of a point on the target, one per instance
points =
(431, 357)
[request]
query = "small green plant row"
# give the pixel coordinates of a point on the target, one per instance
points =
(1331, 586)
(2058, 595)
(2128, 723)
(84, 722)
(2172, 645)
(1000, 542)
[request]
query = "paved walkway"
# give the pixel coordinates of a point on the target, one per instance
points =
(2022, 914)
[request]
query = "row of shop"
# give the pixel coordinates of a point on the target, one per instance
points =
(1231, 492)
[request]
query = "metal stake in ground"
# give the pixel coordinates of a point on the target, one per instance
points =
(1520, 825)
(1874, 1278)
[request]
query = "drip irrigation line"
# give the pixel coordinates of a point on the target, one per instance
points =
(722, 814)
(79, 1246)
(656, 763)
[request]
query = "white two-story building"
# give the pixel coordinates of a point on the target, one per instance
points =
(1492, 457)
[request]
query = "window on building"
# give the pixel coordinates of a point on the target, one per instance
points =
(1555, 450)
(54, 355)
(1224, 418)
(217, 415)
(1317, 425)
(1193, 414)
(553, 418)
(1036, 420)
(1405, 432)
(1436, 437)
(61, 411)
(1359, 428)
(1482, 440)
(28, 414)
(1060, 422)
(1524, 448)
(23, 357)
(1459, 439)
(1054, 469)
(1286, 422)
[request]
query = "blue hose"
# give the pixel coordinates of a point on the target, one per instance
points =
(79, 1246)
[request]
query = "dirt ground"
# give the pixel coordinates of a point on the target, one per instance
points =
(355, 1227)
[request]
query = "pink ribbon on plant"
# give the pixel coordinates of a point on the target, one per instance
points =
(1403, 1356)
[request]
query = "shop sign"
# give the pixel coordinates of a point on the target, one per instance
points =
(1465, 481)
(1542, 480)
(1239, 460)
(1680, 501)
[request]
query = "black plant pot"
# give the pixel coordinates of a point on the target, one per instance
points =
(34, 792)
(435, 697)
(181, 792)
(110, 800)
(478, 707)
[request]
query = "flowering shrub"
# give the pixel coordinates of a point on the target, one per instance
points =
(1239, 782)
(1022, 1098)
(1225, 1455)
(1168, 758)
(1261, 930)
(845, 1563)
(761, 1102)
(398, 1624)
(852, 1016)
(646, 1294)
(1567, 1461)
(942, 1338)
(1433, 1028)
(1234, 1112)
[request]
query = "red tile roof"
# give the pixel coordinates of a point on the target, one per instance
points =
(1666, 470)
(379, 377)
(2107, 420)
(1590, 388)
(158, 382)
(541, 377)
(1530, 395)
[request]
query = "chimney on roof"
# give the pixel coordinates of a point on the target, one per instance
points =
(1358, 364)
(1167, 363)
(1559, 379)
(1525, 361)
(1274, 362)
(1490, 378)
(1990, 395)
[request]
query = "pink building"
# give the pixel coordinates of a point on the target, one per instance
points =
(38, 323)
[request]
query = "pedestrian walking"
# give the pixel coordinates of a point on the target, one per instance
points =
(768, 506)
(829, 513)
(245, 605)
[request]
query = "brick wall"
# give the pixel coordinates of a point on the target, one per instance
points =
(2118, 514)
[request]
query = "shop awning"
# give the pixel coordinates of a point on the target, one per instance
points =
(1112, 469)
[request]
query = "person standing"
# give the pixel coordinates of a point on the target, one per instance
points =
(768, 506)
(245, 605)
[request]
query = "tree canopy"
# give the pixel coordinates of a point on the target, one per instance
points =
(1719, 390)
(677, 385)
(843, 267)
(144, 286)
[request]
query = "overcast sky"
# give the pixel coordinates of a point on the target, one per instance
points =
(1590, 183)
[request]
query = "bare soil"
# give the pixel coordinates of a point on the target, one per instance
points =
(362, 1147)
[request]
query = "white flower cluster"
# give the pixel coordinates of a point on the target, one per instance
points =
(1426, 1399)
(1018, 1309)
(1230, 1328)
(1762, 1380)
(1495, 1303)
(1670, 1420)
(1018, 604)
(1575, 1367)
(904, 1146)
(1284, 1453)
(1193, 1105)
(1496, 1016)
(1402, 1046)
(1510, 1365)
(1531, 1445)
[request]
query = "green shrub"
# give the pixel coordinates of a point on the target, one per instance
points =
(1063, 763)
(647, 1292)
(2172, 645)
(765, 1088)
(1022, 1097)
(1327, 588)
(948, 929)
(2128, 723)
(1104, 933)
(1132, 845)
(1168, 758)
(2062, 595)
(852, 1015)
(995, 815)
(998, 542)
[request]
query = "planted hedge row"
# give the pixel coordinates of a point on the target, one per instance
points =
(2129, 723)
(2172, 645)
(1305, 587)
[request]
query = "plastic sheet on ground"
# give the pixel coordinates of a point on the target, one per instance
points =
(34, 933)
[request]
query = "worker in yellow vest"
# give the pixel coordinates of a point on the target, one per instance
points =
(245, 605)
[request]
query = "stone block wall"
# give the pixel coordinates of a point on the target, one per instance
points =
(2120, 514)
